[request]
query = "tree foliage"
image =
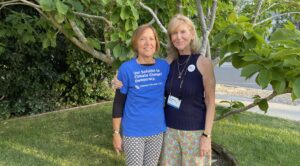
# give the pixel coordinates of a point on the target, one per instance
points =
(247, 34)
(35, 77)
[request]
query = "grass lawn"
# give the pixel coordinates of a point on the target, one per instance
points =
(83, 137)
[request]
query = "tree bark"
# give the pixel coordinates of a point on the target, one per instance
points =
(257, 11)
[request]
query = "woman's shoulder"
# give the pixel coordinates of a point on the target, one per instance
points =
(203, 60)
(125, 65)
(162, 61)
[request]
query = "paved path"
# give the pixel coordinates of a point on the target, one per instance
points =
(228, 75)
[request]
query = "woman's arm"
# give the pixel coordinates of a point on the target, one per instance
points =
(206, 68)
(117, 114)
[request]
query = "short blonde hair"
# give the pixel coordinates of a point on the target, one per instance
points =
(177, 20)
(138, 32)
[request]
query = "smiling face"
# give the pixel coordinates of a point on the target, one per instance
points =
(146, 43)
(181, 38)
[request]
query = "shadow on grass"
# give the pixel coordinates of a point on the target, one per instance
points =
(79, 137)
(258, 143)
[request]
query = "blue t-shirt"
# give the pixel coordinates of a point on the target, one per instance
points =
(144, 107)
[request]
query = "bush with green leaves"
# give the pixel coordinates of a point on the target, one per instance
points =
(41, 71)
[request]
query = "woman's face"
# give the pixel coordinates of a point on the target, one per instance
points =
(146, 43)
(181, 38)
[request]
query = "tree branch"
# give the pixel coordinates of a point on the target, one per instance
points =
(31, 4)
(94, 17)
(164, 30)
(2, 97)
(83, 46)
(21, 2)
(204, 28)
(78, 32)
(279, 15)
(269, 7)
(213, 15)
(179, 6)
(201, 16)
(257, 11)
(8, 2)
(271, 96)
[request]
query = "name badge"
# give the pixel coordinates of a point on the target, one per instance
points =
(173, 102)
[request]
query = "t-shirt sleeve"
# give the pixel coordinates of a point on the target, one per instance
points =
(123, 77)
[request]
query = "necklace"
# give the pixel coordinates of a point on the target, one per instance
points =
(184, 67)
(180, 64)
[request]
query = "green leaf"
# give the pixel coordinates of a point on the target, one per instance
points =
(243, 19)
(118, 50)
(94, 42)
(134, 12)
(115, 17)
(224, 59)
(296, 88)
(285, 34)
(128, 25)
(76, 5)
(46, 43)
(59, 18)
(290, 25)
(47, 5)
(234, 47)
(232, 18)
(2, 49)
(264, 78)
(278, 86)
(28, 38)
(237, 61)
(292, 61)
(248, 35)
(134, 24)
(122, 35)
(125, 13)
(263, 105)
(119, 2)
(61, 7)
(114, 36)
(285, 53)
(233, 38)
(104, 2)
(292, 73)
(249, 70)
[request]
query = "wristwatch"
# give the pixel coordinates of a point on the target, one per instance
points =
(116, 132)
(206, 135)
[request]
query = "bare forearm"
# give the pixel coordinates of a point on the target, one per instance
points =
(116, 122)
(210, 114)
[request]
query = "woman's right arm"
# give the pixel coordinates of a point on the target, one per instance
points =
(117, 114)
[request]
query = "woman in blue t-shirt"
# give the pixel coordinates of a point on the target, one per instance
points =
(138, 105)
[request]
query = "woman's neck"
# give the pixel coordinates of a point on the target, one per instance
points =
(185, 52)
(145, 60)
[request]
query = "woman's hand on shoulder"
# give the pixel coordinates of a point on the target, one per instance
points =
(115, 83)
(169, 59)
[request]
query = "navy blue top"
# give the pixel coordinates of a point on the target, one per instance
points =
(192, 111)
(144, 86)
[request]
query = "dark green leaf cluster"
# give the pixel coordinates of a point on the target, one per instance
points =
(40, 70)
(273, 58)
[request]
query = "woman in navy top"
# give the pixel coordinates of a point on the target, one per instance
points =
(190, 103)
